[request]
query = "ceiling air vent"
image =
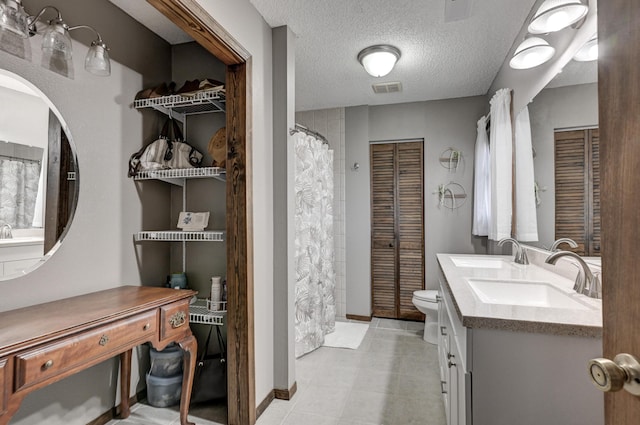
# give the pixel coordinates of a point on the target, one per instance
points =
(392, 87)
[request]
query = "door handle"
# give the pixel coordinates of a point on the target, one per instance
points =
(622, 372)
(391, 245)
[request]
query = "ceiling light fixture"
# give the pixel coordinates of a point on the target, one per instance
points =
(55, 38)
(588, 52)
(532, 52)
(554, 15)
(379, 60)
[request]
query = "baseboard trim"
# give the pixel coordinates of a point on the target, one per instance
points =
(286, 394)
(359, 318)
(265, 403)
(114, 412)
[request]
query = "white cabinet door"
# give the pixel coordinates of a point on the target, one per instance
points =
(454, 396)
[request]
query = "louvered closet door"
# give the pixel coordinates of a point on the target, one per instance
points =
(397, 257)
(409, 227)
(594, 231)
(383, 232)
(577, 175)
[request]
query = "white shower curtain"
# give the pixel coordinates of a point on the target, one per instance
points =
(18, 192)
(501, 165)
(482, 182)
(315, 308)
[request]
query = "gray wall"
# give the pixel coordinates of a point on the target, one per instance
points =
(98, 252)
(442, 124)
(284, 276)
(557, 108)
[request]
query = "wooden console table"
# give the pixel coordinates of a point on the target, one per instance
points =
(45, 343)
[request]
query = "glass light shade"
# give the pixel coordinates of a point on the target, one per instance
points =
(56, 39)
(97, 61)
(378, 61)
(588, 52)
(530, 53)
(13, 18)
(554, 15)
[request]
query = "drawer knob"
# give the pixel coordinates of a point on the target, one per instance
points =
(146, 327)
(178, 319)
(103, 340)
(47, 365)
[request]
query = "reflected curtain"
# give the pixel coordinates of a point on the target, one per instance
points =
(315, 307)
(500, 145)
(18, 191)
(481, 182)
(526, 212)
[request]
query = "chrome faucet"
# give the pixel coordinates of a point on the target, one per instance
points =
(569, 241)
(587, 283)
(520, 255)
(5, 231)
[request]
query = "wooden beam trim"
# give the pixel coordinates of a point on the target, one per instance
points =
(241, 363)
(286, 394)
(199, 24)
(359, 317)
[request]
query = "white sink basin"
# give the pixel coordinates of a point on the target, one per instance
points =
(481, 263)
(525, 293)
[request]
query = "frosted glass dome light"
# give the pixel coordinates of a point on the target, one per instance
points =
(379, 60)
(531, 52)
(554, 15)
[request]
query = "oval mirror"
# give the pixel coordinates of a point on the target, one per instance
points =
(38, 177)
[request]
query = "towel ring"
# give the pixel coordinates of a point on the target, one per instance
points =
(454, 192)
(450, 158)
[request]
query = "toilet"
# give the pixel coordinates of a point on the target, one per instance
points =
(427, 303)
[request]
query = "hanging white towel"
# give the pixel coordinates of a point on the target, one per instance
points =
(526, 220)
(500, 165)
(482, 182)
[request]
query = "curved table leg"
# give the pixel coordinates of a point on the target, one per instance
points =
(12, 408)
(125, 382)
(190, 347)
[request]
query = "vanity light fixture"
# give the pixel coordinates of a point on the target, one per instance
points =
(55, 38)
(532, 52)
(379, 60)
(588, 52)
(554, 15)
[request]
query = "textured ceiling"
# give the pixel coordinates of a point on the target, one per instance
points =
(439, 59)
(450, 48)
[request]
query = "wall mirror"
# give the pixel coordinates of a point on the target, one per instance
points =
(38, 177)
(564, 131)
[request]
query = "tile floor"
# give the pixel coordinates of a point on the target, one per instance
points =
(391, 379)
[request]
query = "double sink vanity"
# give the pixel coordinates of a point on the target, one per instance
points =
(514, 342)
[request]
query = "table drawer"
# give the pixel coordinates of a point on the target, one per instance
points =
(49, 360)
(174, 320)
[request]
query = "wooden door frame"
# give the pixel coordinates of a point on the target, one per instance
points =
(198, 23)
(618, 91)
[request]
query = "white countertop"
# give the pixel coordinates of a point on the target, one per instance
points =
(476, 314)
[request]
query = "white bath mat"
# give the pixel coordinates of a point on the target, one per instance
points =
(346, 335)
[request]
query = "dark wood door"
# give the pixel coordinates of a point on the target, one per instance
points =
(619, 107)
(577, 188)
(397, 228)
